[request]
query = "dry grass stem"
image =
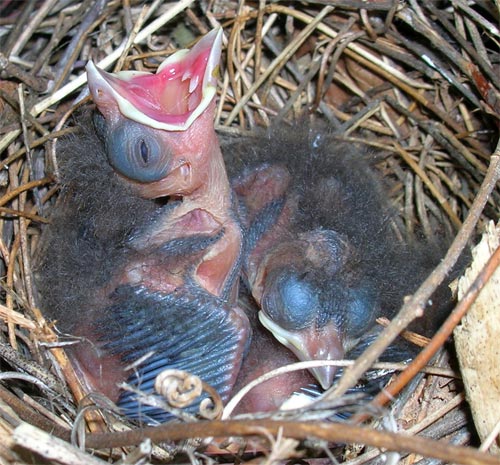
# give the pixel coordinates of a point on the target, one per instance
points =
(416, 81)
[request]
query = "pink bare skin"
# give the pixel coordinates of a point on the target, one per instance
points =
(266, 354)
(258, 189)
(201, 203)
(278, 246)
(200, 179)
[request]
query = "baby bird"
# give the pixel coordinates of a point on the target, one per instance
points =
(322, 259)
(142, 257)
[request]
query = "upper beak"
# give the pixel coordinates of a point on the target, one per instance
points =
(311, 344)
(170, 99)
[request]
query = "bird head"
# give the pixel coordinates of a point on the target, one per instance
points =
(312, 300)
(158, 126)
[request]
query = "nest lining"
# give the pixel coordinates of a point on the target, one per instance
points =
(418, 81)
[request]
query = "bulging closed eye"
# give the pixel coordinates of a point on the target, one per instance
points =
(291, 302)
(361, 310)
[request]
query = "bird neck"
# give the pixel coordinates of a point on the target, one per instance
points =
(214, 192)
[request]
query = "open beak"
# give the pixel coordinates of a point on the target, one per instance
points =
(170, 99)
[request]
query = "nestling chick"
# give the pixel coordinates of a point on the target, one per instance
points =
(322, 259)
(143, 253)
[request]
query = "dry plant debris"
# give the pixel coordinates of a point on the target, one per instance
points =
(417, 80)
(476, 335)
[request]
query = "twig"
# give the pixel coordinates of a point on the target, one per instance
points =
(41, 12)
(24, 187)
(24, 214)
(463, 43)
(443, 333)
(275, 65)
(34, 418)
(51, 448)
(332, 432)
(231, 405)
(36, 143)
(436, 415)
(490, 27)
(29, 366)
(429, 184)
(91, 12)
(12, 70)
(491, 437)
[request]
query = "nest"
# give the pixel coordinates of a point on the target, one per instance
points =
(416, 80)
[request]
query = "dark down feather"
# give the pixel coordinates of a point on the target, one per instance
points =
(86, 241)
(339, 189)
